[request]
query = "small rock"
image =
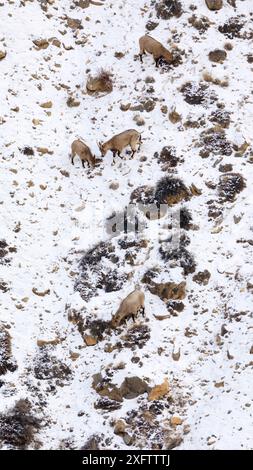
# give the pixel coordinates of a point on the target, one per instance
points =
(90, 340)
(127, 439)
(41, 44)
(125, 107)
(120, 427)
(140, 121)
(72, 102)
(114, 185)
(214, 4)
(74, 23)
(2, 54)
(174, 117)
(226, 168)
(218, 56)
(202, 277)
(47, 104)
(151, 25)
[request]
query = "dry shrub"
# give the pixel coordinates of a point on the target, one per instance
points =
(102, 82)
(18, 426)
(207, 77)
(7, 363)
(165, 9)
(230, 184)
(171, 191)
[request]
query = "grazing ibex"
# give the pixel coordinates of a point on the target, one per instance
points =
(129, 307)
(78, 147)
(154, 47)
(117, 143)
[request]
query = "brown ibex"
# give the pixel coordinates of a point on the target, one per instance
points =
(129, 307)
(154, 47)
(117, 143)
(78, 147)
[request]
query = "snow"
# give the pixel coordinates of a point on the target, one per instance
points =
(57, 222)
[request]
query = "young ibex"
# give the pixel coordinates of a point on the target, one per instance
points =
(117, 143)
(129, 307)
(78, 147)
(154, 47)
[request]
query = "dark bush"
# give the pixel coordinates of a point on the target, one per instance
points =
(18, 426)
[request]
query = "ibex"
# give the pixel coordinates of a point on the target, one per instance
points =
(117, 143)
(154, 47)
(78, 147)
(129, 307)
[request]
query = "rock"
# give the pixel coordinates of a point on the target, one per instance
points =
(218, 56)
(214, 4)
(2, 54)
(171, 442)
(151, 25)
(72, 102)
(125, 107)
(251, 350)
(194, 190)
(46, 105)
(164, 109)
(120, 427)
(89, 340)
(56, 42)
(149, 105)
(149, 79)
(74, 23)
(202, 277)
(168, 290)
(159, 391)
(44, 150)
(226, 168)
(114, 185)
(176, 356)
(132, 387)
(175, 421)
(174, 117)
(41, 44)
(127, 439)
(140, 121)
(119, 55)
(53, 342)
(40, 293)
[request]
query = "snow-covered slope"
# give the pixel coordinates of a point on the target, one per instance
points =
(53, 212)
